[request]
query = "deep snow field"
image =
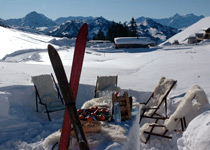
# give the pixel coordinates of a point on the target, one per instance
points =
(138, 70)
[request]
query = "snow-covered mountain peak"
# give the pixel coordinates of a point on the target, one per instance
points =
(2, 23)
(61, 20)
(154, 30)
(176, 16)
(34, 19)
(71, 27)
(179, 21)
(140, 19)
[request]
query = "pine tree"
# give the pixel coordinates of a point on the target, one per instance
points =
(111, 33)
(117, 30)
(133, 28)
(100, 35)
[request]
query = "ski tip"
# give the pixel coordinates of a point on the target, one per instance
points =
(50, 47)
(84, 29)
(85, 25)
(52, 52)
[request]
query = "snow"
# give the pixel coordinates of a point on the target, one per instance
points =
(198, 27)
(138, 72)
(199, 139)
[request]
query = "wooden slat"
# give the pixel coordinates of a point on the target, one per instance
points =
(125, 106)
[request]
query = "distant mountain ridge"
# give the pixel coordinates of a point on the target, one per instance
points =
(61, 20)
(157, 29)
(33, 19)
(2, 23)
(177, 21)
(71, 27)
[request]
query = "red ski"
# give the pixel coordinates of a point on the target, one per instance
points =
(68, 97)
(74, 82)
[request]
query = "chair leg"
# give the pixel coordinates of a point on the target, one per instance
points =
(160, 135)
(36, 93)
(185, 124)
(48, 115)
(182, 124)
(149, 134)
(58, 90)
(166, 108)
(36, 104)
(141, 116)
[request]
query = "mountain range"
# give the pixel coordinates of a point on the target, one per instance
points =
(177, 21)
(157, 29)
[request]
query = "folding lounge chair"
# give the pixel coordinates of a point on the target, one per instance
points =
(47, 93)
(157, 98)
(190, 106)
(106, 84)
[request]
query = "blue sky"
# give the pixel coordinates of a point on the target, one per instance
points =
(116, 10)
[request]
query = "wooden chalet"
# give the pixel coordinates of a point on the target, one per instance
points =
(133, 42)
(192, 40)
(207, 34)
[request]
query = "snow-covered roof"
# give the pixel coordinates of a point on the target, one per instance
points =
(133, 40)
(99, 41)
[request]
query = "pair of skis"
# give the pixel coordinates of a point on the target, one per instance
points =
(69, 90)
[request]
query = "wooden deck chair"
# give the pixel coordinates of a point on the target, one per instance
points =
(106, 84)
(157, 98)
(190, 106)
(47, 93)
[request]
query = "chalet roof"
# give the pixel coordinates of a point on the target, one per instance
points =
(133, 40)
(99, 41)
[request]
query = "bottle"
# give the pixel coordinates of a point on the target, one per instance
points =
(117, 113)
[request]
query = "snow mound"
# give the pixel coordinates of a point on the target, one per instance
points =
(13, 40)
(63, 41)
(192, 104)
(197, 134)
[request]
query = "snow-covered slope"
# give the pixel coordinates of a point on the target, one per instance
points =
(195, 28)
(13, 40)
(138, 72)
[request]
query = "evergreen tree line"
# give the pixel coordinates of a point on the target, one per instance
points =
(118, 30)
